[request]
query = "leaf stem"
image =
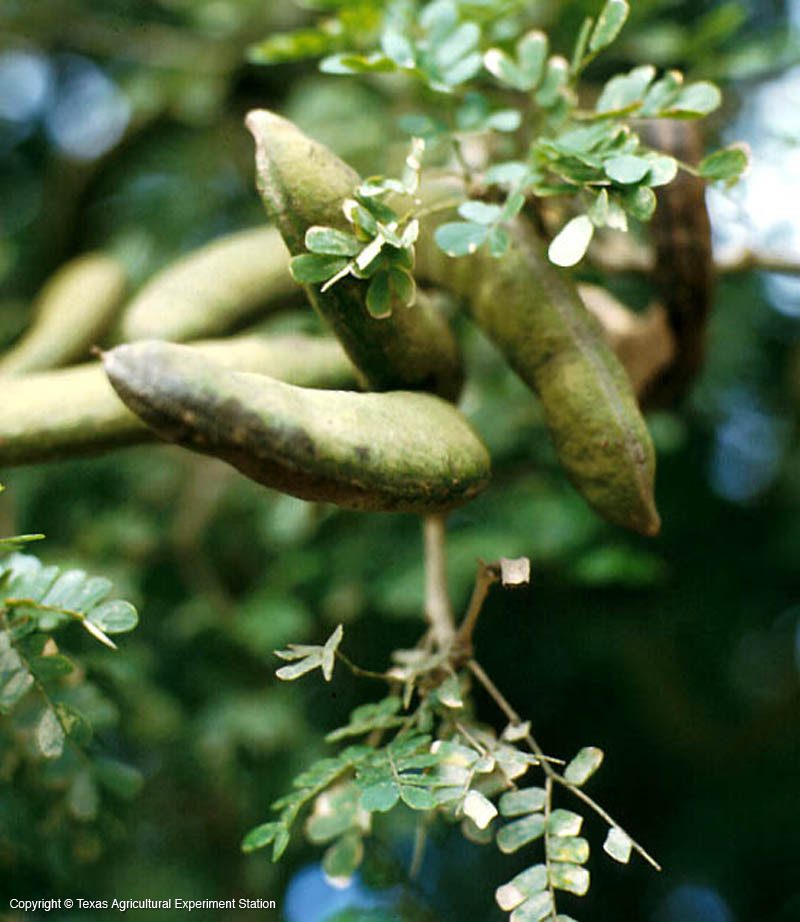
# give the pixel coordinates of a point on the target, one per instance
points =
(551, 774)
(485, 577)
(548, 806)
(359, 671)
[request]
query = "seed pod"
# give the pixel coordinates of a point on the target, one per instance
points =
(533, 312)
(72, 311)
(75, 411)
(643, 342)
(394, 452)
(212, 289)
(303, 184)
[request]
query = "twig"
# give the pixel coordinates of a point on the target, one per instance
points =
(625, 256)
(420, 840)
(437, 601)
(483, 580)
(548, 806)
(359, 671)
(477, 670)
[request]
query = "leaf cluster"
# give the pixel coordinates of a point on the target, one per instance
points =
(468, 56)
(47, 705)
(436, 759)
(379, 247)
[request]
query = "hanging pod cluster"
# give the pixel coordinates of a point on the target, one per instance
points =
(402, 450)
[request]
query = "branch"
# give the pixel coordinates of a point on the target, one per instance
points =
(485, 577)
(75, 411)
(615, 254)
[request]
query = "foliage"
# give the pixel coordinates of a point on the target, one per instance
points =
(427, 751)
(50, 710)
(678, 657)
(591, 154)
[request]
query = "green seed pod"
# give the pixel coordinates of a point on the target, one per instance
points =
(72, 311)
(533, 312)
(212, 289)
(303, 184)
(75, 411)
(393, 452)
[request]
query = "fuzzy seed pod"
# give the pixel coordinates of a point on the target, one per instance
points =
(533, 312)
(302, 184)
(392, 452)
(72, 311)
(212, 289)
(73, 411)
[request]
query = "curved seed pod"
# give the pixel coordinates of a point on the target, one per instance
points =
(644, 343)
(72, 311)
(211, 289)
(533, 312)
(394, 452)
(75, 411)
(684, 266)
(302, 184)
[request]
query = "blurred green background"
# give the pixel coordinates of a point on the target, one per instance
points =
(121, 128)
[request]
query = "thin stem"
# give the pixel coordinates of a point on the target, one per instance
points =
(590, 802)
(550, 772)
(420, 840)
(483, 580)
(445, 205)
(462, 161)
(359, 671)
(437, 601)
(548, 806)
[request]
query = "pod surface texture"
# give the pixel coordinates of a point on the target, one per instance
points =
(395, 452)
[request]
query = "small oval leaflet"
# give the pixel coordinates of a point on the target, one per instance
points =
(564, 823)
(115, 617)
(343, 857)
(535, 909)
(460, 238)
(609, 23)
(569, 877)
(479, 809)
(522, 887)
(568, 848)
(50, 735)
(618, 845)
(584, 765)
(627, 168)
(515, 835)
(380, 797)
(570, 244)
(527, 800)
